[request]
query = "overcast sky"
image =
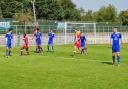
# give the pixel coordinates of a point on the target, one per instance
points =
(96, 4)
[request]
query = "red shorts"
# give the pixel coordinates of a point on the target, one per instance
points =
(77, 44)
(25, 46)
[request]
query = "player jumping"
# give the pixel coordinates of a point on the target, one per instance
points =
(51, 36)
(38, 36)
(83, 43)
(9, 38)
(116, 37)
(26, 47)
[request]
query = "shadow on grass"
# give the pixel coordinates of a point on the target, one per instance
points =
(107, 62)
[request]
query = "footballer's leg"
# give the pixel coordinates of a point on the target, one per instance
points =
(7, 52)
(118, 55)
(74, 51)
(21, 50)
(52, 47)
(113, 54)
(85, 49)
(113, 58)
(27, 50)
(81, 49)
(48, 48)
(40, 48)
(118, 58)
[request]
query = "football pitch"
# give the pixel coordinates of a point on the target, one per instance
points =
(59, 70)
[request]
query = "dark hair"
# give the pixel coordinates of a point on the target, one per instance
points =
(25, 34)
(37, 29)
(10, 29)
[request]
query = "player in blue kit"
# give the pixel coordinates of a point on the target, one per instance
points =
(9, 38)
(38, 36)
(83, 42)
(51, 36)
(116, 38)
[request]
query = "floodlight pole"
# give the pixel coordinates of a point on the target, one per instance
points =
(34, 10)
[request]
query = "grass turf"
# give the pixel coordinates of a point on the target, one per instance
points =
(59, 70)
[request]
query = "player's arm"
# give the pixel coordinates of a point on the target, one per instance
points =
(6, 38)
(86, 41)
(111, 40)
(75, 39)
(121, 41)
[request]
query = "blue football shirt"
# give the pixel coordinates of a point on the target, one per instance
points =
(83, 41)
(38, 36)
(116, 38)
(51, 36)
(9, 37)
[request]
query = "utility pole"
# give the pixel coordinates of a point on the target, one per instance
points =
(34, 10)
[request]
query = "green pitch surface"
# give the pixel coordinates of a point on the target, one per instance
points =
(59, 70)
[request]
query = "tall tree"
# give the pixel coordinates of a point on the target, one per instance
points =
(88, 16)
(49, 9)
(123, 16)
(107, 13)
(70, 10)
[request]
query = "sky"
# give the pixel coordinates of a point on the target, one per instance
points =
(96, 4)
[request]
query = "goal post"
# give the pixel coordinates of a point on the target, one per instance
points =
(87, 28)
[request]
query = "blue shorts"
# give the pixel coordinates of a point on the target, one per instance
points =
(9, 45)
(38, 43)
(115, 48)
(83, 46)
(50, 42)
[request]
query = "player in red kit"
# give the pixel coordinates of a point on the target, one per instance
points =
(25, 46)
(77, 40)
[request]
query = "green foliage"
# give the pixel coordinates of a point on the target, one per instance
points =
(124, 17)
(70, 11)
(9, 8)
(89, 16)
(62, 10)
(49, 9)
(106, 14)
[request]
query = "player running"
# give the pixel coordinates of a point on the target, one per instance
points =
(51, 36)
(116, 37)
(26, 46)
(38, 36)
(77, 40)
(9, 38)
(83, 43)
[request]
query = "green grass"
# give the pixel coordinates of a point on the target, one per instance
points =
(59, 70)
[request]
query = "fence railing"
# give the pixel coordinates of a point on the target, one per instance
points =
(101, 36)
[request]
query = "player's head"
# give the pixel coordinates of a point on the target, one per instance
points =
(10, 29)
(114, 29)
(38, 29)
(25, 34)
(78, 31)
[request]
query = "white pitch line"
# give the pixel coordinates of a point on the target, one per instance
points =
(78, 59)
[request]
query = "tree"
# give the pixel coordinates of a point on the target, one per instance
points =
(49, 9)
(107, 13)
(23, 16)
(88, 16)
(123, 16)
(1, 16)
(70, 10)
(9, 8)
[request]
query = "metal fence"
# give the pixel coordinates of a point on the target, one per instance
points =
(95, 34)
